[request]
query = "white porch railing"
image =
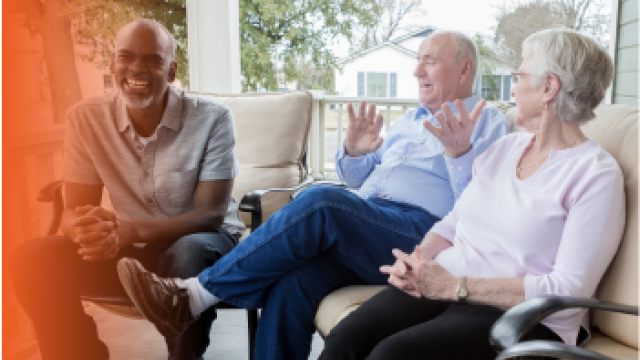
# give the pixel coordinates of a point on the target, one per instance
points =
(330, 122)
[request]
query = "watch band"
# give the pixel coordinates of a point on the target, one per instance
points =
(462, 291)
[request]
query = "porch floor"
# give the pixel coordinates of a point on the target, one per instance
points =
(130, 339)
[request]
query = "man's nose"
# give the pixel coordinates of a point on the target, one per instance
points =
(137, 65)
(418, 71)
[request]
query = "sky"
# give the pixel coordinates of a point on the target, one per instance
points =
(468, 16)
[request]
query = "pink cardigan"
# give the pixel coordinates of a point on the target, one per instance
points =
(559, 229)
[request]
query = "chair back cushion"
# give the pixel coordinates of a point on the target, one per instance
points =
(272, 131)
(616, 130)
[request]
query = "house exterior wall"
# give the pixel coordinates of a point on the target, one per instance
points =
(389, 60)
(625, 85)
(502, 74)
(382, 60)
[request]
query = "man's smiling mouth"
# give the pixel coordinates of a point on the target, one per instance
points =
(137, 84)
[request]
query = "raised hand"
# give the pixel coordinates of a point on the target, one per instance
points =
(363, 133)
(455, 132)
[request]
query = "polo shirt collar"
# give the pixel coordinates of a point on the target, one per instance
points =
(171, 118)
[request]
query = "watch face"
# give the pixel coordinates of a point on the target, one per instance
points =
(461, 291)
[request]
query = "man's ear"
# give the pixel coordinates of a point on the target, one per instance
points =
(551, 87)
(466, 71)
(173, 68)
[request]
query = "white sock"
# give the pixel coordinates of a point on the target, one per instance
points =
(200, 299)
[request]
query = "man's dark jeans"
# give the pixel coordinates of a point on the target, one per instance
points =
(326, 239)
(49, 277)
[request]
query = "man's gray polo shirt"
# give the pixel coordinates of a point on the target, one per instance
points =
(195, 141)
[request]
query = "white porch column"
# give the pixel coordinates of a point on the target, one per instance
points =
(213, 31)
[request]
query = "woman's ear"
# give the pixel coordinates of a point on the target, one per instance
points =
(551, 87)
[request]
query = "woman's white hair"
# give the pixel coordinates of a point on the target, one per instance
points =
(584, 69)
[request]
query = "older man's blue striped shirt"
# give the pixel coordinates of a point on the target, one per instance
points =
(410, 166)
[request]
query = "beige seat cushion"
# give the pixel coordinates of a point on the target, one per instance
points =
(272, 131)
(340, 303)
(604, 345)
(616, 130)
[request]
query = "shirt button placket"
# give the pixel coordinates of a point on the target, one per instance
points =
(147, 178)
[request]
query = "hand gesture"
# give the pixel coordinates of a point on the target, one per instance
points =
(455, 133)
(95, 232)
(363, 133)
(419, 276)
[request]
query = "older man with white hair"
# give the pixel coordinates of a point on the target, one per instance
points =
(328, 237)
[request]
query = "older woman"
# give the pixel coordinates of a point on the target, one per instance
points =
(543, 215)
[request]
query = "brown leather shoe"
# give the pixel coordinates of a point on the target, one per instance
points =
(164, 302)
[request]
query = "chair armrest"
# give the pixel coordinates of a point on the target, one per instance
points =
(319, 183)
(520, 319)
(252, 201)
(552, 349)
(52, 192)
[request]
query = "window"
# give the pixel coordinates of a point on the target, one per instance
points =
(491, 87)
(377, 84)
(506, 87)
(393, 81)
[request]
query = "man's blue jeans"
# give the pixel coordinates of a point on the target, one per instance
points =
(326, 239)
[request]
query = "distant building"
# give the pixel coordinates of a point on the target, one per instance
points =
(386, 70)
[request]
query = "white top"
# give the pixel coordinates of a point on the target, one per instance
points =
(558, 229)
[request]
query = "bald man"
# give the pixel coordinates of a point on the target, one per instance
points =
(168, 161)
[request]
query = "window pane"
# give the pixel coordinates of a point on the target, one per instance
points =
(376, 84)
(360, 83)
(491, 86)
(393, 86)
(506, 87)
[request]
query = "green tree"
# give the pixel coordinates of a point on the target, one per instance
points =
(486, 66)
(394, 16)
(271, 32)
(50, 20)
(516, 20)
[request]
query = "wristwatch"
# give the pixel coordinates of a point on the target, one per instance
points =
(461, 291)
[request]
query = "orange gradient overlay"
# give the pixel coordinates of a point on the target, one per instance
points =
(32, 139)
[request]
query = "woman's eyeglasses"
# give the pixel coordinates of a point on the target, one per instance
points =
(515, 76)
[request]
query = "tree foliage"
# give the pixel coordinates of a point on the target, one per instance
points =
(96, 23)
(288, 32)
(314, 78)
(274, 34)
(50, 20)
(486, 66)
(517, 20)
(394, 16)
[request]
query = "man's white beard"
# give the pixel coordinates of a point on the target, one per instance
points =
(136, 103)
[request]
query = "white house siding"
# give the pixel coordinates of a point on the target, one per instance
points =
(388, 60)
(412, 43)
(382, 60)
